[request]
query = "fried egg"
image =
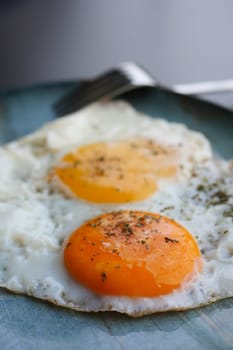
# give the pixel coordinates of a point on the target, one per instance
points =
(109, 209)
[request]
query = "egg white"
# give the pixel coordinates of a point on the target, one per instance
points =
(36, 217)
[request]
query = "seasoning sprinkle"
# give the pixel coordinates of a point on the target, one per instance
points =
(167, 240)
(103, 276)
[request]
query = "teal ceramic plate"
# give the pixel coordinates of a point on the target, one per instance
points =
(27, 323)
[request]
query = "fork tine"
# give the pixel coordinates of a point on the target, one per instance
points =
(109, 84)
(90, 91)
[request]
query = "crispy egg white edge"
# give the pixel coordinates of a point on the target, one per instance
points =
(50, 139)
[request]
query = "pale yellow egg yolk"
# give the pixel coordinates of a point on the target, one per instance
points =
(132, 253)
(116, 172)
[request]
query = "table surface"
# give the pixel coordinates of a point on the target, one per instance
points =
(179, 41)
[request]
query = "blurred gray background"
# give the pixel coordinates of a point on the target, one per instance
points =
(179, 41)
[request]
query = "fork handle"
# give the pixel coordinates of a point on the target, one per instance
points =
(201, 88)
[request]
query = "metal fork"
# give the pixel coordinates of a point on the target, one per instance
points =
(127, 76)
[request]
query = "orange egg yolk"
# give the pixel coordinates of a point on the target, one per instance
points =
(116, 172)
(132, 253)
